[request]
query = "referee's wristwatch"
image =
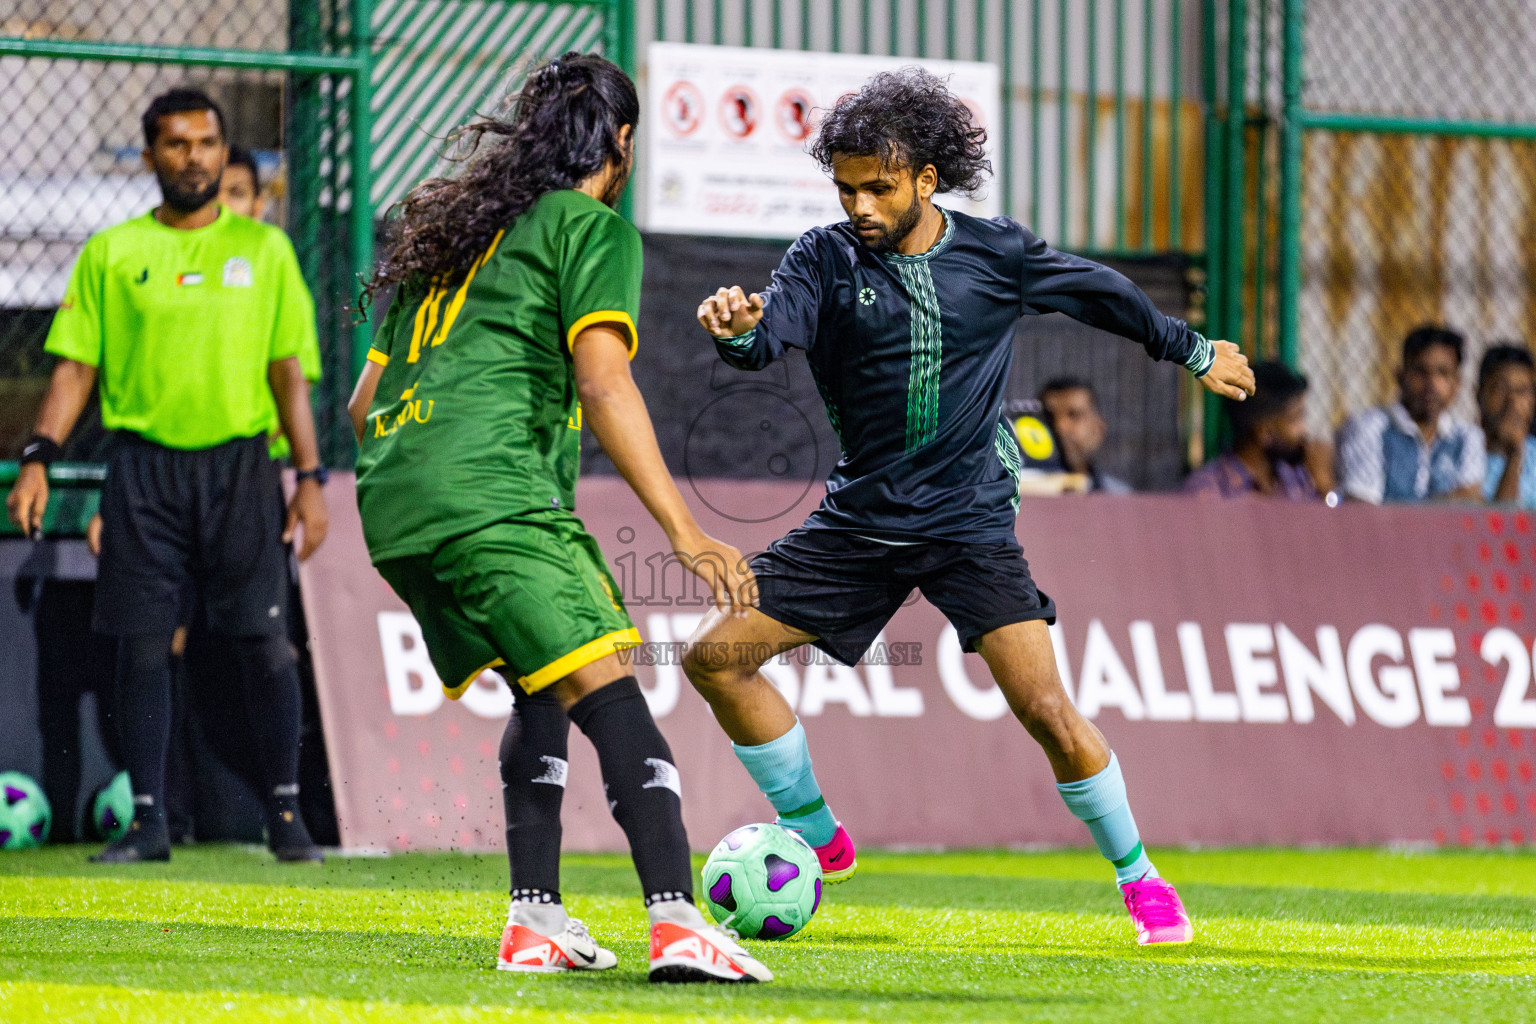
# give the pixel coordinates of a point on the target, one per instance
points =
(319, 475)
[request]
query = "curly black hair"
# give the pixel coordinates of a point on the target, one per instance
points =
(562, 128)
(910, 119)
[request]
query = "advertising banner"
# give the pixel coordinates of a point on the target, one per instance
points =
(1267, 673)
(726, 130)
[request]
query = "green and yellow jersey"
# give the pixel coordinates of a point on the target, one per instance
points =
(181, 326)
(475, 419)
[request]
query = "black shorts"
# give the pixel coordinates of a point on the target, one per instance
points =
(212, 518)
(843, 589)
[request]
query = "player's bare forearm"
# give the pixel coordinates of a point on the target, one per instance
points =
(614, 409)
(307, 509)
(68, 390)
(362, 398)
(291, 392)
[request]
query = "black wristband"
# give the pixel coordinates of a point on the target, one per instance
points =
(41, 449)
(319, 475)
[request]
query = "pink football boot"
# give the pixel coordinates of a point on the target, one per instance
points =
(838, 858)
(1159, 916)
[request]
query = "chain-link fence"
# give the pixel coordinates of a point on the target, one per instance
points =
(1386, 179)
(1427, 215)
(80, 75)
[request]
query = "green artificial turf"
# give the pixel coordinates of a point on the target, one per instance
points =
(225, 934)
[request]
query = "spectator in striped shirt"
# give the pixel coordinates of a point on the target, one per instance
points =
(1415, 449)
(1506, 397)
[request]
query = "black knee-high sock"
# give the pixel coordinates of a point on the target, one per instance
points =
(533, 768)
(143, 720)
(642, 785)
(269, 681)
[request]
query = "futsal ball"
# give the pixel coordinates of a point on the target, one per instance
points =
(112, 810)
(763, 882)
(25, 815)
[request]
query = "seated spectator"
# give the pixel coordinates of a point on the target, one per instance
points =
(1414, 449)
(1271, 455)
(1506, 398)
(1072, 410)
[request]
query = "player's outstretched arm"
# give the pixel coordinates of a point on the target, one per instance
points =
(1230, 376)
(615, 410)
(68, 391)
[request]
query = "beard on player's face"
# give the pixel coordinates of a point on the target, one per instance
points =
(891, 238)
(189, 190)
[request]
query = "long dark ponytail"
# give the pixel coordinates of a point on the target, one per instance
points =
(562, 128)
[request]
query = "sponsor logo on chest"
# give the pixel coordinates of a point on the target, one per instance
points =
(237, 272)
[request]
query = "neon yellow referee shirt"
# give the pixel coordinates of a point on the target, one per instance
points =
(181, 326)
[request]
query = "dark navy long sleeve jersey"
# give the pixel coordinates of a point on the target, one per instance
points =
(911, 355)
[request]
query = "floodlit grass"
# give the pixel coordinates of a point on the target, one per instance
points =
(224, 934)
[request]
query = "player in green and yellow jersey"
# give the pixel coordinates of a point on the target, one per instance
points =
(518, 288)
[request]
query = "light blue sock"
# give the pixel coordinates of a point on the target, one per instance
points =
(1100, 802)
(782, 770)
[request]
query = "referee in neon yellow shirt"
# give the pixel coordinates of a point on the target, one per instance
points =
(192, 320)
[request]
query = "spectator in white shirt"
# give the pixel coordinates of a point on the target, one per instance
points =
(1414, 449)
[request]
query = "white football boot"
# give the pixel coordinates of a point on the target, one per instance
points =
(684, 948)
(543, 939)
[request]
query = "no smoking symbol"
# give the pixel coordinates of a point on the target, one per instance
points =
(683, 108)
(739, 111)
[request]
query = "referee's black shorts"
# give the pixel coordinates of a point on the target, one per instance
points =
(843, 589)
(212, 517)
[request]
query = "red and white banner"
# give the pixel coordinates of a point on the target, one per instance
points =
(1268, 673)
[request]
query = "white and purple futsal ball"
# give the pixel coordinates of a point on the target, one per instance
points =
(25, 815)
(763, 882)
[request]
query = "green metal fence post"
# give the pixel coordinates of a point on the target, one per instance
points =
(619, 19)
(1034, 127)
(1175, 133)
(1035, 54)
(1091, 129)
(1261, 186)
(1148, 107)
(1063, 121)
(1233, 186)
(362, 172)
(1215, 147)
(1120, 125)
(1292, 42)
(1216, 236)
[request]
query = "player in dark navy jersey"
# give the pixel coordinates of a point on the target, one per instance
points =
(906, 314)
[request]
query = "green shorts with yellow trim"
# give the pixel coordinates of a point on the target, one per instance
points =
(530, 596)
